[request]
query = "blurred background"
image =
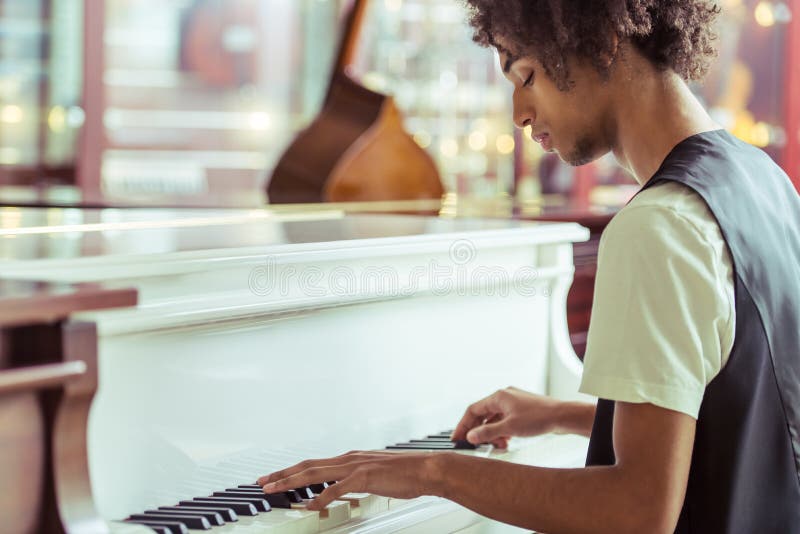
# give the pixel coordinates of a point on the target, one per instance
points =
(193, 101)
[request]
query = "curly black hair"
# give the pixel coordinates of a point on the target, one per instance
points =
(673, 34)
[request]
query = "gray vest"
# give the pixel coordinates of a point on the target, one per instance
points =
(745, 471)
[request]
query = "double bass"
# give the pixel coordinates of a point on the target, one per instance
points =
(356, 148)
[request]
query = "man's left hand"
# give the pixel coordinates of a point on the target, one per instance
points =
(390, 474)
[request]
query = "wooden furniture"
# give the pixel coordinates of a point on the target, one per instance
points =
(356, 149)
(48, 377)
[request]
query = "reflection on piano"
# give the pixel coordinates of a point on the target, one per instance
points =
(261, 340)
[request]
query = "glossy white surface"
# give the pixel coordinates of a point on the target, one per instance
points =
(66, 233)
(298, 337)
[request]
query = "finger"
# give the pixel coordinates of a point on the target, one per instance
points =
(331, 493)
(500, 443)
(475, 415)
(297, 468)
(308, 464)
(312, 475)
(493, 419)
(496, 442)
(487, 433)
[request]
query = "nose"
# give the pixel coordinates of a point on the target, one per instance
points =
(523, 113)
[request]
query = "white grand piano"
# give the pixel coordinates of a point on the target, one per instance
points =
(264, 338)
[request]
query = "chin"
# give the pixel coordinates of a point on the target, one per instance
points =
(577, 162)
(582, 153)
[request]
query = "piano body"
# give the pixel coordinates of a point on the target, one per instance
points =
(264, 338)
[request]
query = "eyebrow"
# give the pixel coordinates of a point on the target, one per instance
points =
(510, 61)
(511, 58)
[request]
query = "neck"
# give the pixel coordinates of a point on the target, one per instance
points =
(651, 117)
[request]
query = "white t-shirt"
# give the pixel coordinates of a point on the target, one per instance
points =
(663, 314)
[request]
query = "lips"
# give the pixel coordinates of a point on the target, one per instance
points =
(544, 140)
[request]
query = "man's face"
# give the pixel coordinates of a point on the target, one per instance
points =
(575, 124)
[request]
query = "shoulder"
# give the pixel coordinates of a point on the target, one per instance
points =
(663, 311)
(668, 214)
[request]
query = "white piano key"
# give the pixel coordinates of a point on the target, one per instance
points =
(274, 522)
(363, 505)
(118, 527)
(418, 516)
(337, 513)
(394, 504)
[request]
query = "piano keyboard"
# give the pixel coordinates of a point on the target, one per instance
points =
(244, 508)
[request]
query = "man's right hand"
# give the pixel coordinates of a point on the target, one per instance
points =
(506, 413)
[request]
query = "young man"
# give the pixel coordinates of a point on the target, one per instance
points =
(694, 345)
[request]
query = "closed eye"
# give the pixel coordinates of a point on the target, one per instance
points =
(528, 81)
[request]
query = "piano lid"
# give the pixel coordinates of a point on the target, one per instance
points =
(65, 233)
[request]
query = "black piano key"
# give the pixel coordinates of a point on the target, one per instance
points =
(249, 486)
(256, 492)
(278, 500)
(293, 496)
(195, 522)
(172, 527)
(227, 513)
(157, 530)
(460, 443)
(318, 488)
(305, 493)
(450, 445)
(275, 500)
(417, 447)
(256, 500)
(213, 518)
(238, 506)
(423, 446)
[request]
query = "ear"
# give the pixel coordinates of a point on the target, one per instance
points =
(608, 58)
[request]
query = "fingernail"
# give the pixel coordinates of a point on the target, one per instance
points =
(269, 487)
(472, 436)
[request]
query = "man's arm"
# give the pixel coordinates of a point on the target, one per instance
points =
(513, 412)
(575, 418)
(643, 492)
